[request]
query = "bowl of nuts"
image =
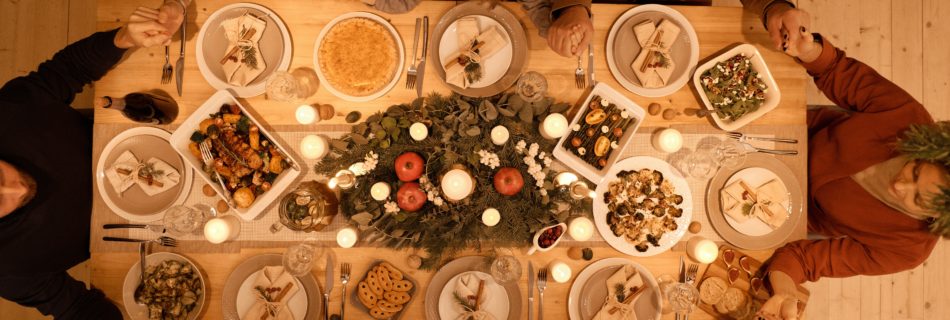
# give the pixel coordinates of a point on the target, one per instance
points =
(605, 123)
(547, 238)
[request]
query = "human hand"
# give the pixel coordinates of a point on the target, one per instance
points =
(141, 33)
(571, 32)
(789, 29)
(780, 307)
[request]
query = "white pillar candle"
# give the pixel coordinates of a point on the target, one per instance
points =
(306, 114)
(347, 237)
(554, 126)
(457, 184)
(313, 147)
(380, 191)
(581, 228)
(221, 229)
(565, 178)
(418, 131)
(499, 135)
(491, 217)
(560, 271)
(358, 168)
(702, 250)
(668, 140)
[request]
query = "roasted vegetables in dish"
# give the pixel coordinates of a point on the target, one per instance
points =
(598, 133)
(243, 157)
(170, 289)
(643, 207)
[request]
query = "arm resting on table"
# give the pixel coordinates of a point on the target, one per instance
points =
(810, 260)
(59, 79)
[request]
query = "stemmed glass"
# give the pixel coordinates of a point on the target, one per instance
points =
(182, 220)
(505, 269)
(298, 259)
(709, 157)
(682, 297)
(297, 85)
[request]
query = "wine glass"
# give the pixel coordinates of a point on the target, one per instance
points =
(730, 153)
(182, 220)
(298, 259)
(665, 281)
(682, 297)
(505, 269)
(281, 86)
(701, 163)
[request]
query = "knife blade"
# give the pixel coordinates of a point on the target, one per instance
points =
(180, 64)
(682, 278)
(421, 68)
(329, 286)
(152, 227)
(590, 59)
(530, 291)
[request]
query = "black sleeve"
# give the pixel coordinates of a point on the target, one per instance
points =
(59, 79)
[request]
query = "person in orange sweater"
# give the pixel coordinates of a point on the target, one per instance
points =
(879, 171)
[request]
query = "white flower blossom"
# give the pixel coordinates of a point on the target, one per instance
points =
(547, 162)
(521, 146)
(543, 192)
(489, 159)
(438, 201)
(391, 207)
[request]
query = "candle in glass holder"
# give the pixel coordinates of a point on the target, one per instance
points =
(313, 147)
(554, 126)
(491, 217)
(418, 131)
(668, 140)
(499, 135)
(306, 114)
(347, 237)
(560, 271)
(380, 191)
(581, 228)
(457, 184)
(702, 250)
(579, 190)
(221, 229)
(344, 179)
(565, 178)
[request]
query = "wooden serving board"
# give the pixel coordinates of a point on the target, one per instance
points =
(720, 269)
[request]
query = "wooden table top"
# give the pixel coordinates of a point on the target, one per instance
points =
(718, 28)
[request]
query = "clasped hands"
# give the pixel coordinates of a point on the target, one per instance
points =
(148, 27)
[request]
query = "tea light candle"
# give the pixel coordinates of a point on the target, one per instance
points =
(358, 168)
(579, 190)
(565, 178)
(306, 114)
(344, 179)
(418, 131)
(702, 250)
(554, 126)
(380, 191)
(313, 147)
(668, 140)
(491, 217)
(457, 184)
(560, 271)
(222, 229)
(581, 229)
(346, 237)
(499, 135)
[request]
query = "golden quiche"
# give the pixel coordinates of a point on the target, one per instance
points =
(358, 56)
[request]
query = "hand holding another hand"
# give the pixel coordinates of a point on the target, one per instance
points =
(789, 29)
(149, 27)
(571, 32)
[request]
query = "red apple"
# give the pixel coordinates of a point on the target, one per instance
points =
(410, 197)
(409, 166)
(508, 181)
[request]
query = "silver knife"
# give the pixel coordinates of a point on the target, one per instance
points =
(530, 291)
(329, 287)
(421, 69)
(180, 64)
(682, 278)
(152, 227)
(590, 59)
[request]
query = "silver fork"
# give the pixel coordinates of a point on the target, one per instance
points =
(167, 69)
(209, 161)
(411, 72)
(344, 278)
(163, 240)
(542, 284)
(579, 79)
(742, 137)
(690, 278)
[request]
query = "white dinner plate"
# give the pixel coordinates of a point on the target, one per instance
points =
(496, 303)
(134, 276)
(680, 187)
(493, 68)
(755, 177)
(238, 297)
(246, 298)
(134, 204)
(275, 44)
(586, 297)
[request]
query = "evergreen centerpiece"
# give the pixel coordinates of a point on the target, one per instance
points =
(381, 150)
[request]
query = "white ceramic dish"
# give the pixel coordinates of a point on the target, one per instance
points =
(680, 186)
(495, 67)
(276, 48)
(236, 300)
(134, 205)
(133, 277)
(182, 137)
(579, 165)
(537, 235)
(756, 177)
(399, 49)
(496, 303)
(618, 36)
(246, 299)
(579, 304)
(772, 96)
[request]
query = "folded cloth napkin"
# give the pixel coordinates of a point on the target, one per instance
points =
(627, 279)
(127, 171)
(248, 63)
(123, 172)
(661, 63)
(491, 40)
(467, 288)
(267, 288)
(769, 205)
(163, 173)
(392, 6)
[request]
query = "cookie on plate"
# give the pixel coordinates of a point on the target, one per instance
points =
(388, 306)
(366, 295)
(378, 313)
(402, 285)
(731, 301)
(397, 297)
(384, 280)
(712, 289)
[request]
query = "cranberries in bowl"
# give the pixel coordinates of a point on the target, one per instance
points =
(547, 238)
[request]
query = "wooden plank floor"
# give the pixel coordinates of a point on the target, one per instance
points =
(905, 40)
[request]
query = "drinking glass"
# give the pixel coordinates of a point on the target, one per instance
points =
(281, 86)
(682, 297)
(182, 220)
(299, 258)
(664, 281)
(730, 153)
(701, 163)
(506, 269)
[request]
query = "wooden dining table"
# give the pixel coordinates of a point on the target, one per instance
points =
(718, 29)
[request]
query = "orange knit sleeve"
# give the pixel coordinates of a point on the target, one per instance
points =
(810, 260)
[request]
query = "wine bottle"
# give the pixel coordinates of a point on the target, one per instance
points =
(142, 107)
